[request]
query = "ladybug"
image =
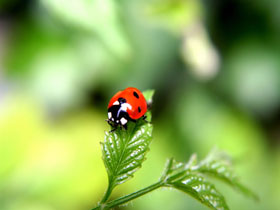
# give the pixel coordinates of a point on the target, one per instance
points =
(126, 105)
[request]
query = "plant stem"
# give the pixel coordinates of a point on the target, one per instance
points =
(129, 197)
(108, 193)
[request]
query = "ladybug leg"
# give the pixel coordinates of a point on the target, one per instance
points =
(124, 126)
(111, 131)
(109, 122)
(145, 119)
(132, 120)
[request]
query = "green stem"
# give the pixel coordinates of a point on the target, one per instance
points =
(129, 197)
(108, 193)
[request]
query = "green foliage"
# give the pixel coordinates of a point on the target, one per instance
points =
(124, 152)
(148, 94)
(220, 168)
(191, 178)
(183, 177)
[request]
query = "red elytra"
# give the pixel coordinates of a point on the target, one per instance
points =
(136, 100)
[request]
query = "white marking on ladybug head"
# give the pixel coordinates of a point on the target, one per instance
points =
(117, 121)
(116, 103)
(109, 115)
(123, 121)
(112, 119)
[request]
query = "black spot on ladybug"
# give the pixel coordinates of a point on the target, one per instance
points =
(139, 109)
(135, 94)
(122, 100)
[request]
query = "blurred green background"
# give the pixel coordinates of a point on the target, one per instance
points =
(215, 66)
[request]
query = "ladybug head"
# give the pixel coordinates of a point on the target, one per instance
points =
(117, 113)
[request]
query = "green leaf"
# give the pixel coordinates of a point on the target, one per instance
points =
(181, 177)
(191, 178)
(124, 150)
(148, 94)
(202, 190)
(221, 169)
